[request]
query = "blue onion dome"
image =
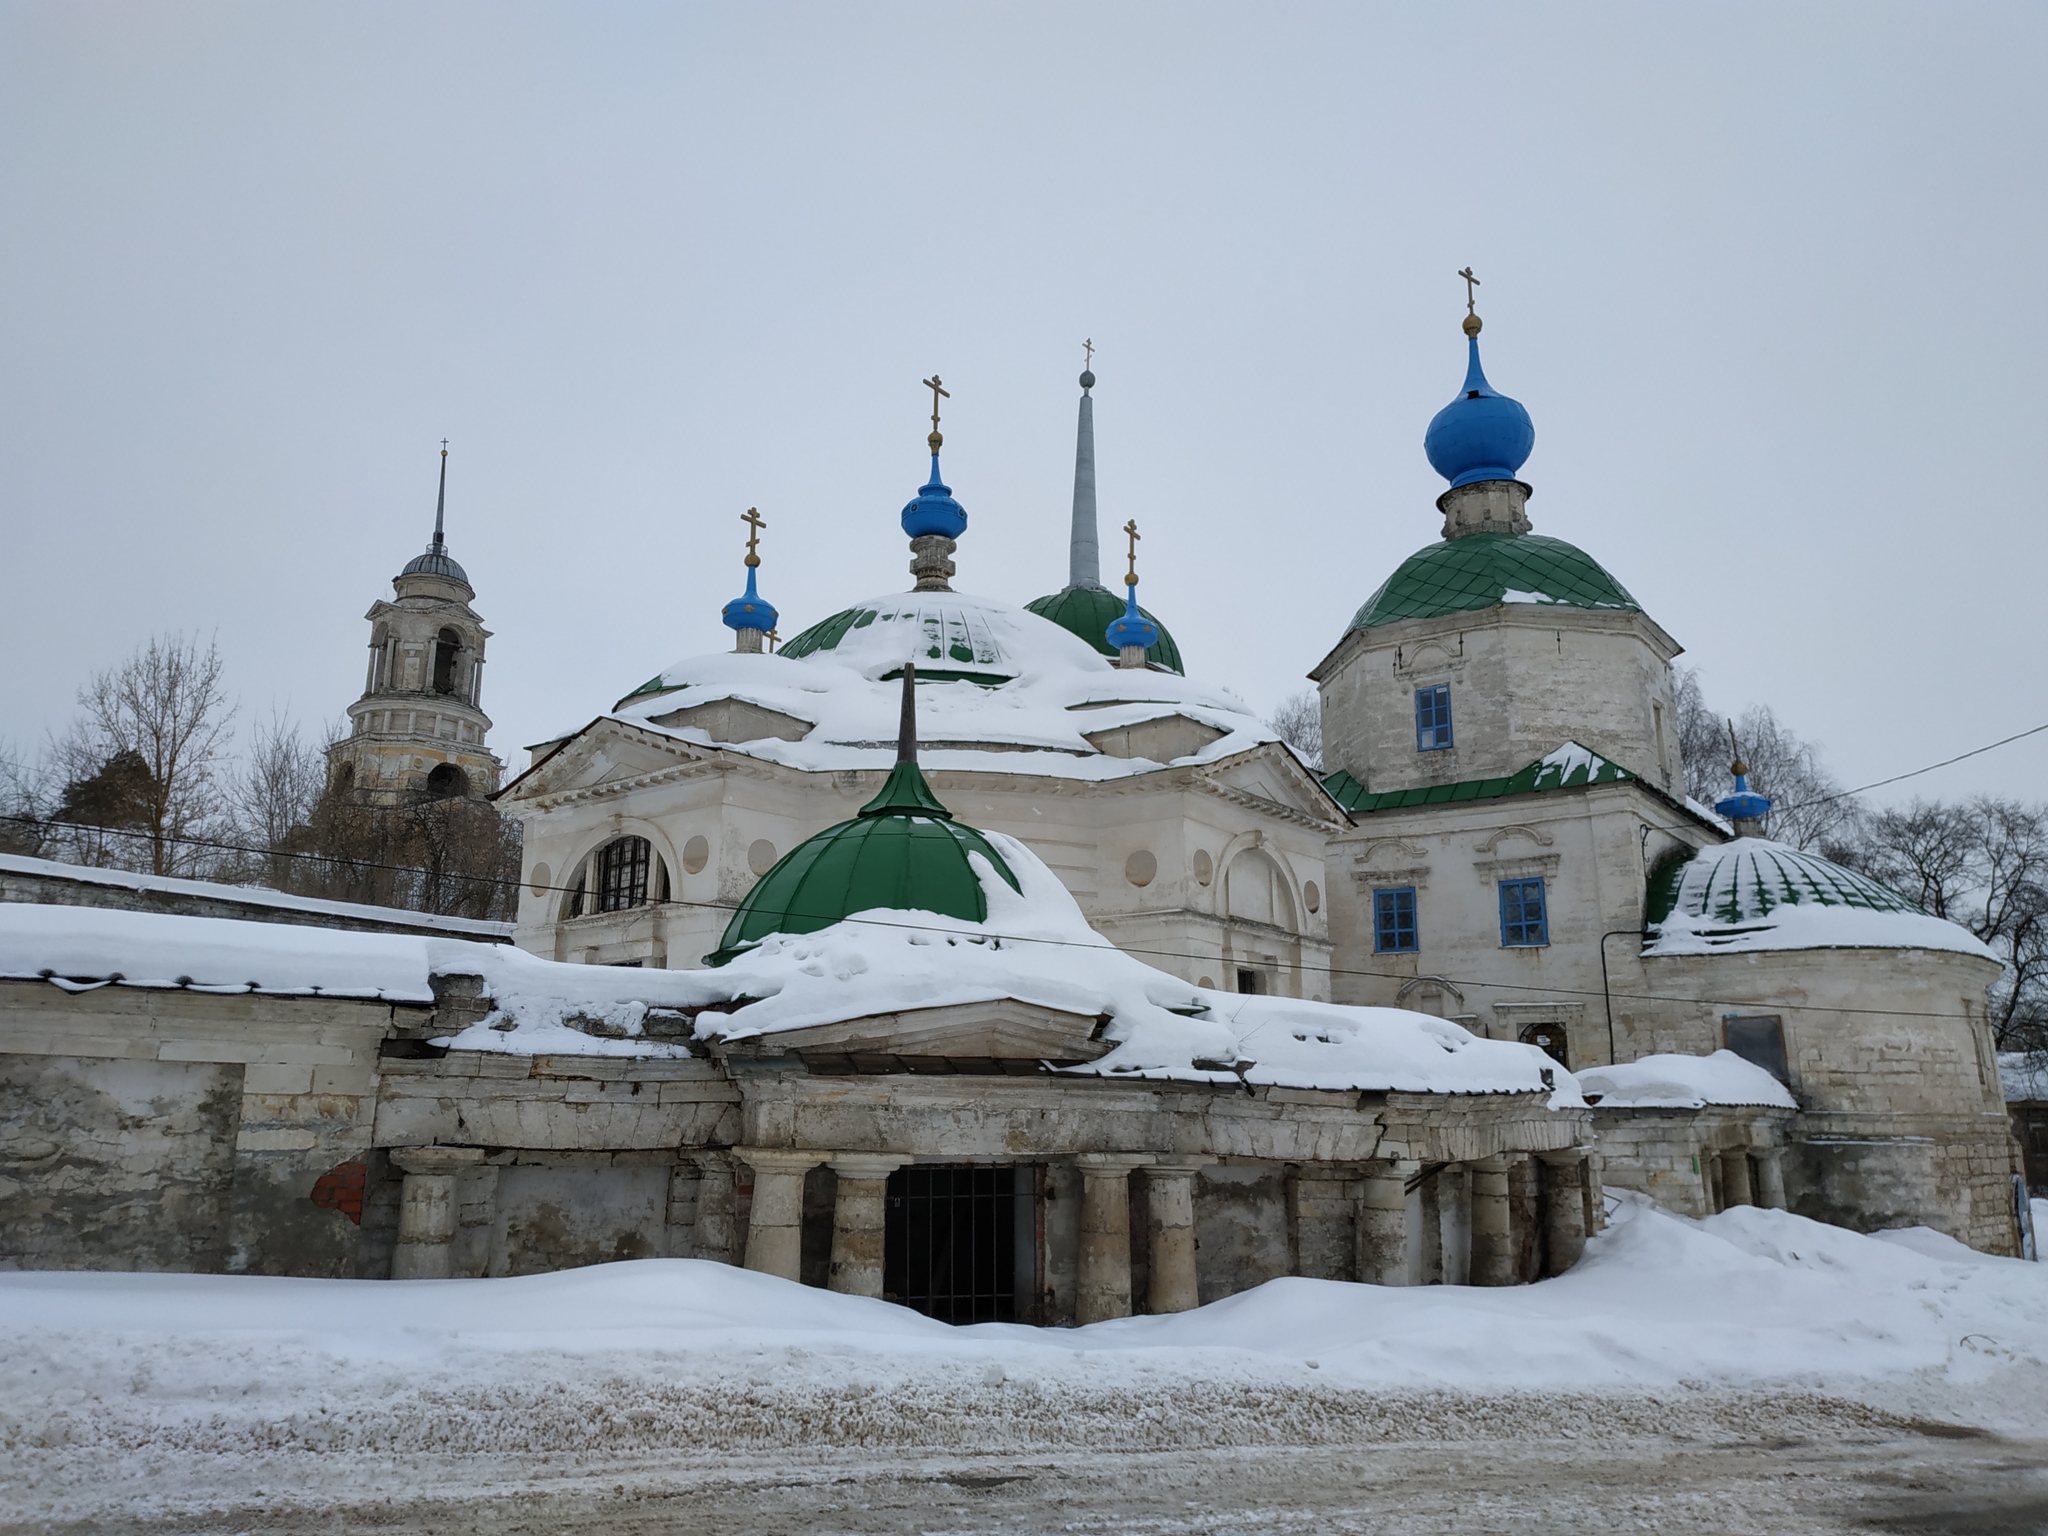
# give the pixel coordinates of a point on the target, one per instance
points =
(934, 511)
(1132, 627)
(749, 610)
(1481, 435)
(1086, 613)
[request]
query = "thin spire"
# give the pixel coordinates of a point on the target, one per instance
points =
(1084, 552)
(441, 501)
(906, 727)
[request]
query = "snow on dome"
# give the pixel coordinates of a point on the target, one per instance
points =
(1035, 947)
(1025, 700)
(1683, 1082)
(1755, 894)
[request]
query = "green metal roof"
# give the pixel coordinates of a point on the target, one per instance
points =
(904, 851)
(959, 642)
(1743, 881)
(1087, 611)
(1571, 766)
(1483, 570)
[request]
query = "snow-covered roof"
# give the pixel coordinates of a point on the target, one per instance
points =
(249, 895)
(2024, 1076)
(1755, 894)
(1684, 1082)
(1042, 693)
(1035, 948)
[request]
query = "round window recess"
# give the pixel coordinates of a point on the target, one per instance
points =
(1206, 982)
(761, 856)
(696, 854)
(541, 876)
(1312, 896)
(1205, 870)
(1141, 868)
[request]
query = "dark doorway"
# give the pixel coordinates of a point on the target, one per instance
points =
(961, 1242)
(1550, 1039)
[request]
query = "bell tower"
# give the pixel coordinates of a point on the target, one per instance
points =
(418, 730)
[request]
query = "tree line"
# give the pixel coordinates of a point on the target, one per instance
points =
(1981, 862)
(151, 777)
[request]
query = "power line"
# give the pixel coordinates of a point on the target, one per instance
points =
(1899, 778)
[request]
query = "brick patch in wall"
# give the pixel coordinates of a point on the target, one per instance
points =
(340, 1188)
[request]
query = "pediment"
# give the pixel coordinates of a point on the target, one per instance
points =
(602, 753)
(735, 720)
(1164, 740)
(1275, 776)
(1003, 1034)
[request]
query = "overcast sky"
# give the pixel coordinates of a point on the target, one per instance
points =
(1768, 278)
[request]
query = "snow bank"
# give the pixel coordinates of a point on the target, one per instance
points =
(651, 1355)
(1684, 1082)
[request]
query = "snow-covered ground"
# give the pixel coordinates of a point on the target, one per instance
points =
(123, 1391)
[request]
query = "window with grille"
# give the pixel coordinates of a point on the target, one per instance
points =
(1393, 921)
(1433, 718)
(622, 874)
(1758, 1038)
(960, 1243)
(1522, 921)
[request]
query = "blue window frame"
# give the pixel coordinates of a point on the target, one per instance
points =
(1522, 921)
(1433, 718)
(1393, 921)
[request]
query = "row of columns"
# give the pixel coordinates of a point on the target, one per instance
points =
(1752, 1176)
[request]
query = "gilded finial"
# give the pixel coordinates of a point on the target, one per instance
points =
(1472, 321)
(1739, 768)
(755, 523)
(1131, 575)
(938, 392)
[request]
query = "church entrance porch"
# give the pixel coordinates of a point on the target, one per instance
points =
(962, 1242)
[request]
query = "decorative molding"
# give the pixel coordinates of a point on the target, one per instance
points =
(1260, 803)
(1535, 835)
(1400, 845)
(1517, 869)
(1417, 983)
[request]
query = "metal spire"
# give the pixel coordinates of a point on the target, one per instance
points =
(906, 728)
(440, 544)
(1084, 555)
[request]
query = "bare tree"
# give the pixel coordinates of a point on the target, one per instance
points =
(145, 755)
(1299, 722)
(273, 794)
(24, 804)
(1808, 806)
(1983, 864)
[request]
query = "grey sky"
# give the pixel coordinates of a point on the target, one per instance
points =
(1767, 278)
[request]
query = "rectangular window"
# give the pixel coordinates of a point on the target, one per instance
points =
(1760, 1039)
(1433, 718)
(1522, 922)
(1393, 921)
(1247, 981)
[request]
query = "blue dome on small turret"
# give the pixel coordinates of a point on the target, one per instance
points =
(1132, 627)
(749, 610)
(935, 510)
(1481, 435)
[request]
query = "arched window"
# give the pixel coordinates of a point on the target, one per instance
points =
(622, 874)
(445, 648)
(447, 782)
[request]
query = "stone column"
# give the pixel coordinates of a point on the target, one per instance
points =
(1104, 1288)
(1174, 1285)
(859, 1216)
(1770, 1177)
(426, 1209)
(1325, 1232)
(713, 1235)
(1493, 1250)
(1429, 1257)
(1596, 1193)
(1564, 1210)
(1735, 1181)
(1525, 1218)
(1383, 1222)
(775, 1235)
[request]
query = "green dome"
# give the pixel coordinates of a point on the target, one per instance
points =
(1483, 570)
(1086, 612)
(952, 637)
(1746, 880)
(904, 851)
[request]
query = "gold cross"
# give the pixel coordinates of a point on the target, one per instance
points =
(755, 523)
(444, 447)
(1471, 283)
(1131, 576)
(937, 390)
(1089, 347)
